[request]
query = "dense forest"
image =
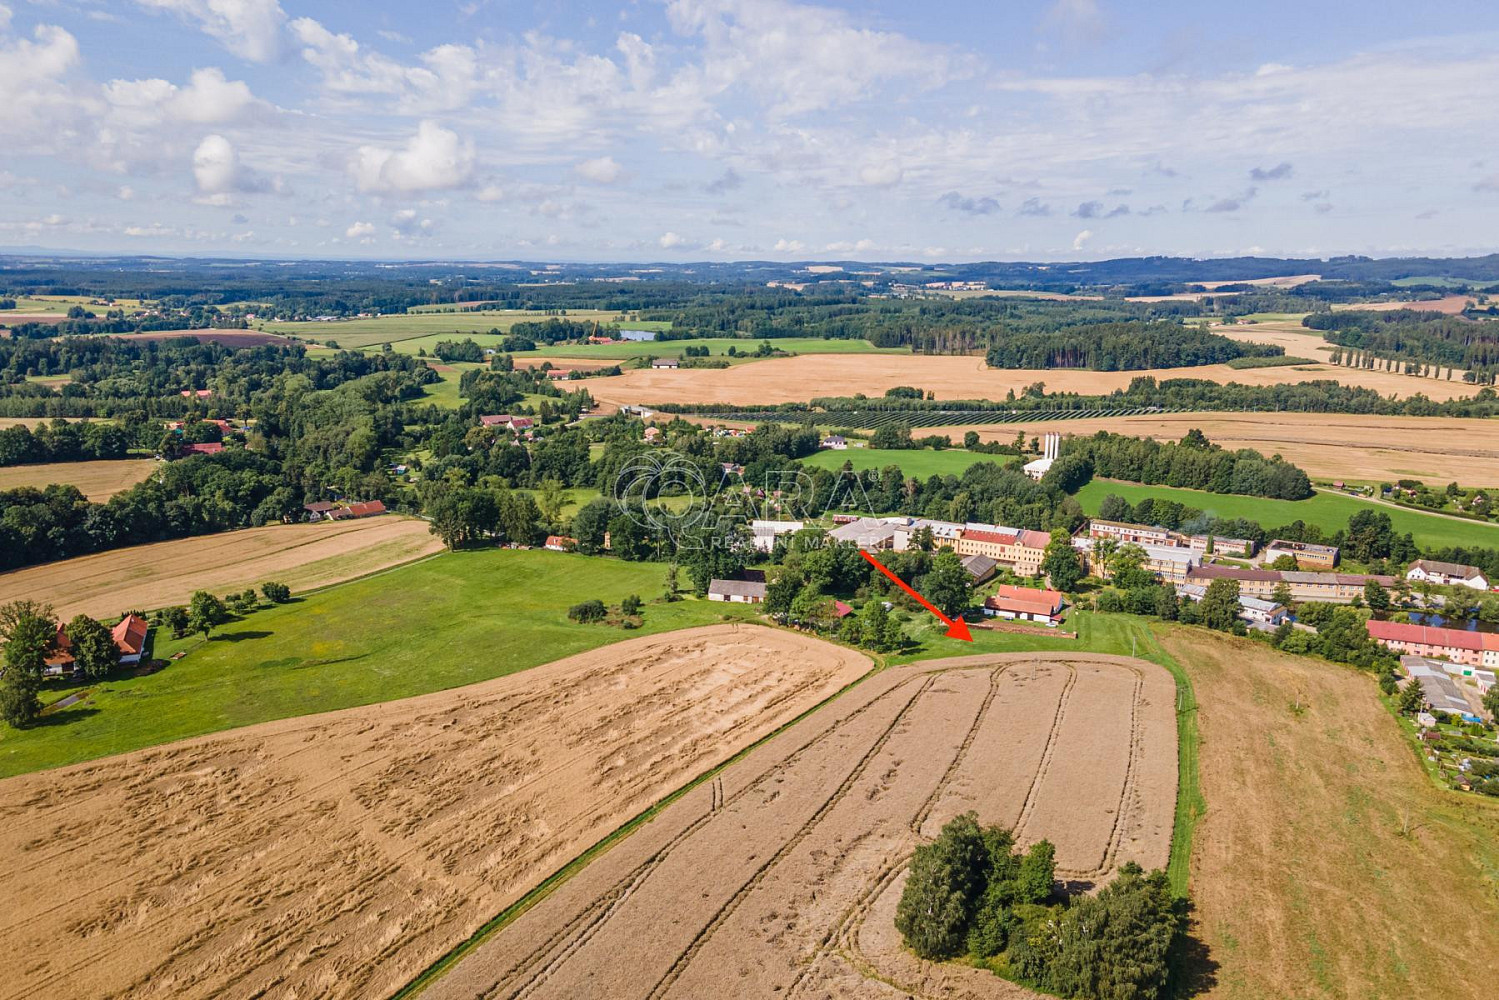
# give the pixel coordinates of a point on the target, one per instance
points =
(61, 441)
(1422, 338)
(1120, 347)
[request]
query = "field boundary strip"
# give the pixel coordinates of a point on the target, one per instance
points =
(554, 881)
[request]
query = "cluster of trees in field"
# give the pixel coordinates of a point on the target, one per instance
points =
(972, 893)
(61, 441)
(1424, 338)
(1193, 463)
(1119, 346)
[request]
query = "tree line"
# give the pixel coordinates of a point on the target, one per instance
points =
(1192, 463)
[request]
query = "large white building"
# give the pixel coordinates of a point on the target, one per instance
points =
(1051, 448)
(1447, 574)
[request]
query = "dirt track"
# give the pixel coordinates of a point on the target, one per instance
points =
(302, 556)
(799, 379)
(779, 877)
(338, 855)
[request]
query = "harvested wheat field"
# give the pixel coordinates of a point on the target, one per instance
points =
(302, 556)
(1452, 305)
(228, 338)
(775, 877)
(1327, 445)
(98, 480)
(338, 855)
(805, 377)
(1327, 863)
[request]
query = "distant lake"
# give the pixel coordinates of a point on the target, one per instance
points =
(637, 334)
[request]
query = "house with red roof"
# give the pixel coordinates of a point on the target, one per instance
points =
(1024, 604)
(130, 638)
(203, 448)
(561, 543)
(1476, 649)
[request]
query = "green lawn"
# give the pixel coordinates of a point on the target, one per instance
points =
(1328, 511)
(918, 463)
(444, 392)
(451, 620)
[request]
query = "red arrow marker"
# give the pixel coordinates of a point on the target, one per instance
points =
(956, 629)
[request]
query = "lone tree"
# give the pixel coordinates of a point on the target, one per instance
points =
(946, 585)
(1061, 563)
(276, 593)
(94, 649)
(205, 613)
(28, 633)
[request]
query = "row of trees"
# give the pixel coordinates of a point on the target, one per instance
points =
(1414, 336)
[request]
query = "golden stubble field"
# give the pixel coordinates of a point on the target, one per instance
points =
(98, 480)
(1332, 445)
(338, 855)
(302, 556)
(1328, 864)
(798, 379)
(779, 877)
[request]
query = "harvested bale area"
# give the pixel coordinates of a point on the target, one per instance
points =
(338, 855)
(779, 876)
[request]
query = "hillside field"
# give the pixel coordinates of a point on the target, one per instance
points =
(147, 577)
(919, 463)
(339, 855)
(1326, 510)
(98, 480)
(1327, 863)
(440, 623)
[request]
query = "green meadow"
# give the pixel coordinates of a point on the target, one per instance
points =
(915, 463)
(1328, 511)
(454, 619)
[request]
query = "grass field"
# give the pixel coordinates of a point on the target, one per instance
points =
(372, 332)
(98, 480)
(1327, 511)
(440, 623)
(1326, 856)
(918, 463)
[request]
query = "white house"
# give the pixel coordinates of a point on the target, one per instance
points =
(835, 442)
(1258, 612)
(737, 591)
(1447, 574)
(666, 363)
(766, 532)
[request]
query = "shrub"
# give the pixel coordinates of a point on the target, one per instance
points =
(588, 611)
(630, 605)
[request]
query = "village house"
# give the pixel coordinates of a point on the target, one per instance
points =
(1306, 554)
(834, 442)
(666, 363)
(737, 591)
(560, 543)
(766, 532)
(1447, 574)
(1025, 604)
(1260, 612)
(129, 638)
(203, 448)
(979, 568)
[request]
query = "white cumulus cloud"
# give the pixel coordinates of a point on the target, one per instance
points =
(433, 159)
(599, 170)
(251, 29)
(360, 230)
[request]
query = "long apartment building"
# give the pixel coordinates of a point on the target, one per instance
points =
(1475, 649)
(1017, 549)
(1171, 563)
(1331, 588)
(1144, 534)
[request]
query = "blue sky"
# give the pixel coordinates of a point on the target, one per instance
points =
(732, 129)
